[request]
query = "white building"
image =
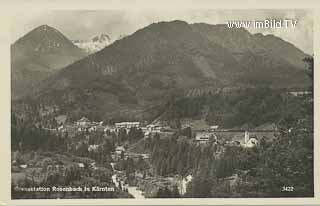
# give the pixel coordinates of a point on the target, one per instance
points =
(184, 183)
(127, 125)
(92, 129)
(24, 166)
(81, 165)
(147, 134)
(203, 137)
(120, 149)
(153, 128)
(213, 127)
(93, 148)
(252, 142)
(109, 128)
(62, 129)
(249, 142)
(83, 122)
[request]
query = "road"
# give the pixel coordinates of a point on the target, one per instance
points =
(132, 190)
(137, 194)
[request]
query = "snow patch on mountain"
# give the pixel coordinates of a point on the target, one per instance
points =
(94, 44)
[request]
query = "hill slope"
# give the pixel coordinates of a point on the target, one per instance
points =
(268, 59)
(38, 54)
(134, 75)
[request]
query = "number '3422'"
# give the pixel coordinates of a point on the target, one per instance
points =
(287, 189)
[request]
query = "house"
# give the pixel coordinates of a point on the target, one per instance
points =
(147, 134)
(153, 128)
(110, 129)
(82, 128)
(93, 148)
(81, 165)
(62, 128)
(127, 125)
(92, 129)
(299, 93)
(244, 141)
(14, 162)
(138, 174)
(24, 166)
(96, 128)
(145, 156)
(93, 166)
(83, 122)
(120, 149)
(249, 141)
(144, 129)
(203, 137)
(252, 142)
(150, 127)
(213, 127)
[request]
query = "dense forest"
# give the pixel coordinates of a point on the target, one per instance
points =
(248, 106)
(282, 167)
(263, 171)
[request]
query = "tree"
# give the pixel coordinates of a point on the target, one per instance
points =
(200, 187)
(310, 64)
(175, 192)
(163, 193)
(187, 132)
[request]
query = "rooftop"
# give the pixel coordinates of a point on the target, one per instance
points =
(84, 119)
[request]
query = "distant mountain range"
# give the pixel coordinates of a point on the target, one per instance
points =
(94, 44)
(138, 72)
(37, 55)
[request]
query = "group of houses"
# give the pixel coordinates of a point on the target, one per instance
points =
(121, 150)
(85, 125)
(245, 140)
(298, 92)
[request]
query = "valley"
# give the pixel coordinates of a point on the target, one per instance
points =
(174, 110)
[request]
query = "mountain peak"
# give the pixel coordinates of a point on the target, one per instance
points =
(38, 54)
(163, 59)
(45, 27)
(101, 38)
(45, 38)
(174, 23)
(94, 44)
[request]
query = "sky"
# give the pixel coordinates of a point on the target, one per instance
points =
(84, 24)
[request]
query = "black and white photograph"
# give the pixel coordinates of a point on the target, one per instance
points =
(162, 103)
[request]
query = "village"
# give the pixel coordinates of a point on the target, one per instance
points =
(247, 138)
(144, 183)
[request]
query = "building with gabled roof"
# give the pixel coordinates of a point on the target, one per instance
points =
(83, 122)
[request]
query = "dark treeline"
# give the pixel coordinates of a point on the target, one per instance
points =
(249, 106)
(27, 136)
(71, 177)
(132, 136)
(171, 156)
(167, 193)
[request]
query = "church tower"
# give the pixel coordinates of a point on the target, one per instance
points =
(246, 137)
